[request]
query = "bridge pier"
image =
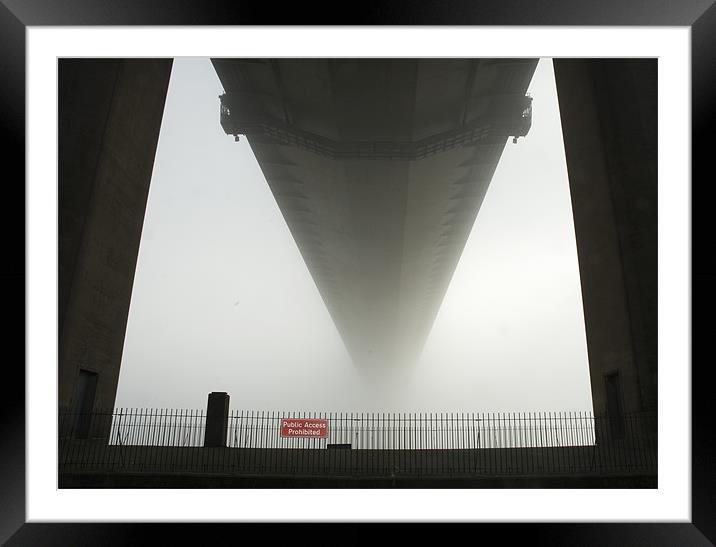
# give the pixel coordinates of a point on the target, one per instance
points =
(110, 112)
(609, 123)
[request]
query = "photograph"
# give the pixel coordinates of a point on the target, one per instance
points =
(357, 272)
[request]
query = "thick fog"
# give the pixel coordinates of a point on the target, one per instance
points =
(223, 301)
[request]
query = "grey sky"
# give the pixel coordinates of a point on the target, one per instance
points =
(223, 301)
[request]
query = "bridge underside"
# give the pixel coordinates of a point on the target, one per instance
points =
(379, 168)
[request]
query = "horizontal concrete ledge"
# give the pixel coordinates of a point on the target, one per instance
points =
(577, 461)
(197, 480)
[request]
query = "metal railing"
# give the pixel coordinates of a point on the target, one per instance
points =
(373, 444)
(417, 431)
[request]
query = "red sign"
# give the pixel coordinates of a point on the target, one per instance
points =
(304, 427)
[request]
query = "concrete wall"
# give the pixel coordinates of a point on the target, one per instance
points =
(609, 122)
(110, 112)
(606, 459)
(197, 480)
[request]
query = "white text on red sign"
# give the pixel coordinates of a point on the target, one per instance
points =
(295, 427)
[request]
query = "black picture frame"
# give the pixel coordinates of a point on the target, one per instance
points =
(17, 15)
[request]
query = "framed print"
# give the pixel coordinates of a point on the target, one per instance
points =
(346, 144)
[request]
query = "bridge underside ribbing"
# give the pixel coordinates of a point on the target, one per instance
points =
(379, 167)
